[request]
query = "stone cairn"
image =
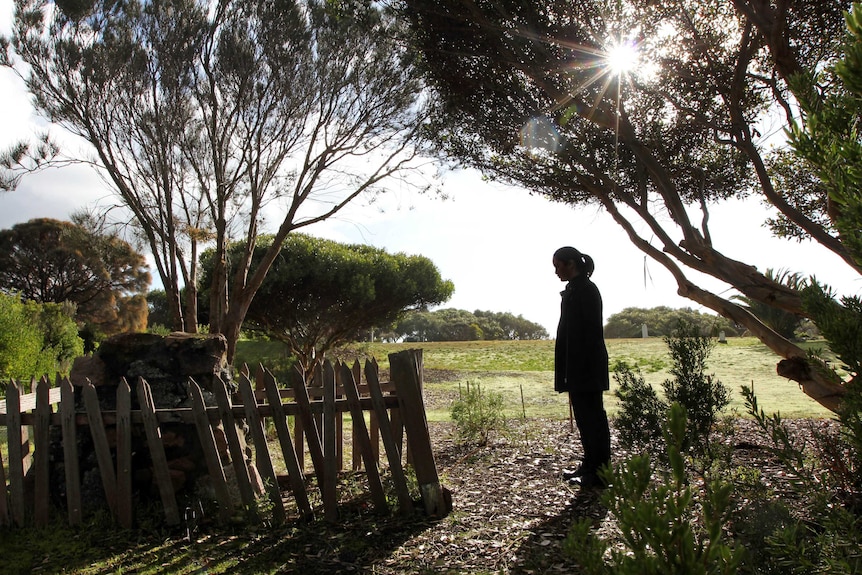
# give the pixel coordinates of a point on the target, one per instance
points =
(166, 363)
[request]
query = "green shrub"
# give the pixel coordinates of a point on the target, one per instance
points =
(477, 414)
(642, 413)
(824, 534)
(665, 524)
(36, 339)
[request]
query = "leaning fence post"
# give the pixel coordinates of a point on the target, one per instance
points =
(125, 510)
(157, 452)
(15, 436)
(100, 445)
(70, 451)
(406, 373)
(41, 439)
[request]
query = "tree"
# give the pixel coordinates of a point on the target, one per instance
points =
(783, 322)
(214, 122)
(320, 293)
(47, 260)
(529, 98)
(828, 142)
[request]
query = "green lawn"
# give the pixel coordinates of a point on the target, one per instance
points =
(519, 369)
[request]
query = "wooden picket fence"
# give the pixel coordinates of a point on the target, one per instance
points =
(396, 409)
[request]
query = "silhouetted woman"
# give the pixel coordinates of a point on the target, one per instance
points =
(581, 362)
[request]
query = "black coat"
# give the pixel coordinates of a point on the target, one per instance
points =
(580, 355)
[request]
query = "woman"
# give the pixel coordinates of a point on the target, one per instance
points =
(581, 363)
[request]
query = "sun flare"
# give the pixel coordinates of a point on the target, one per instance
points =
(621, 57)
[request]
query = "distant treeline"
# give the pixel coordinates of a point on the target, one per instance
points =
(460, 325)
(662, 321)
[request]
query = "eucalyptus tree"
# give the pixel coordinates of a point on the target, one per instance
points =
(655, 111)
(215, 121)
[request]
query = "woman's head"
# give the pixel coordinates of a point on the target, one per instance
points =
(570, 263)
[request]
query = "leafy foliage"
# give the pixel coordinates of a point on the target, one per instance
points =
(528, 98)
(643, 414)
(827, 486)
(666, 525)
(200, 116)
(36, 339)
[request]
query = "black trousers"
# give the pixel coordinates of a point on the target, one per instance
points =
(592, 421)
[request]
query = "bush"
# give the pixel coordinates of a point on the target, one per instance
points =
(642, 413)
(476, 414)
(824, 534)
(36, 339)
(666, 525)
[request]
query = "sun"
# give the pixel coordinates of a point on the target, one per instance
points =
(621, 57)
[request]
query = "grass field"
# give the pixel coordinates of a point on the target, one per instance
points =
(519, 369)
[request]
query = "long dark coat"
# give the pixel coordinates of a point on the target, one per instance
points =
(580, 355)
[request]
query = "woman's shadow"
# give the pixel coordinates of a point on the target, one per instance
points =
(542, 552)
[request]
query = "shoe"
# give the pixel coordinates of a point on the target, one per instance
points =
(569, 474)
(588, 481)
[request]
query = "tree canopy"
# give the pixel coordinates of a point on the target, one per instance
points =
(528, 97)
(320, 293)
(51, 261)
(214, 123)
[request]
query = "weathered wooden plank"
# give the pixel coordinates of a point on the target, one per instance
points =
(4, 503)
(211, 454)
(295, 474)
(378, 495)
(309, 425)
(261, 450)
(125, 509)
(70, 452)
(235, 446)
(15, 436)
(330, 476)
(157, 453)
(393, 450)
(405, 368)
(100, 446)
(41, 442)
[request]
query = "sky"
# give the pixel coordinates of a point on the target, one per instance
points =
(494, 242)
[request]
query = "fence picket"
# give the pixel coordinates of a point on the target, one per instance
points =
(237, 453)
(211, 454)
(100, 446)
(378, 496)
(330, 484)
(15, 435)
(393, 451)
(309, 425)
(261, 451)
(41, 440)
(294, 472)
(125, 510)
(406, 369)
(70, 452)
(157, 453)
